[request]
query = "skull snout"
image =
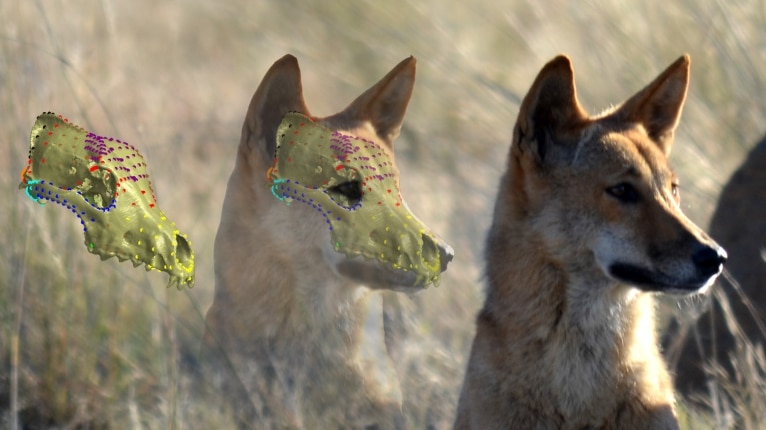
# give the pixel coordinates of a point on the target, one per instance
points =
(410, 248)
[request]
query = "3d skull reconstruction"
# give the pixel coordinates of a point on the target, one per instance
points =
(105, 183)
(350, 181)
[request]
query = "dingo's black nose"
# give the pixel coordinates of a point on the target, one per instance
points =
(433, 245)
(447, 253)
(709, 259)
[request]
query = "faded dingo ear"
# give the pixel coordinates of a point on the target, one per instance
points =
(658, 106)
(549, 108)
(280, 92)
(385, 103)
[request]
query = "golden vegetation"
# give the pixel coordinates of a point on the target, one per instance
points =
(93, 344)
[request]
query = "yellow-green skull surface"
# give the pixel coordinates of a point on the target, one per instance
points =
(352, 183)
(104, 182)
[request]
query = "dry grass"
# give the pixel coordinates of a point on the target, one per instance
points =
(90, 344)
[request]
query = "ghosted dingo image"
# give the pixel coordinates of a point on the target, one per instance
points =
(312, 224)
(587, 228)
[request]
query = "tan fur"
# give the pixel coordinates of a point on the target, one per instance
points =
(294, 342)
(587, 225)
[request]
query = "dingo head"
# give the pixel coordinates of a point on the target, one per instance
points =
(332, 182)
(599, 190)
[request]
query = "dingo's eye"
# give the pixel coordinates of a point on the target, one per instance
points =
(674, 189)
(349, 193)
(623, 192)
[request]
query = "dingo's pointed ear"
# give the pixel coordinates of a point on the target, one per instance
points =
(658, 106)
(549, 108)
(385, 103)
(280, 92)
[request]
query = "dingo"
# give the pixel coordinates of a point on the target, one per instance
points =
(312, 217)
(586, 223)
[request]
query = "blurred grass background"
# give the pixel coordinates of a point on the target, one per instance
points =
(90, 344)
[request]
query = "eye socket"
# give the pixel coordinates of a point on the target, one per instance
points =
(624, 192)
(350, 192)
